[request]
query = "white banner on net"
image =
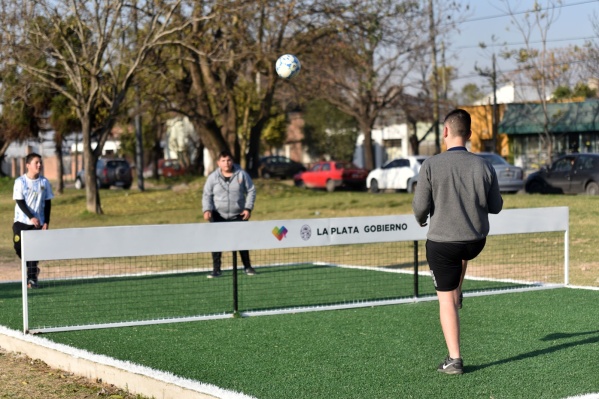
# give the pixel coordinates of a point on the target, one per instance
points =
(145, 240)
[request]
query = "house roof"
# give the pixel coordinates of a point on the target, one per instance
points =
(578, 117)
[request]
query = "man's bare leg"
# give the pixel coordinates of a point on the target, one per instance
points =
(450, 321)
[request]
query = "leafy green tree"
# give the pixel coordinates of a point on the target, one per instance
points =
(275, 132)
(92, 52)
(225, 79)
(469, 94)
(19, 116)
(64, 121)
(329, 132)
(581, 90)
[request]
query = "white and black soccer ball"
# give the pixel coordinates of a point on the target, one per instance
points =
(288, 66)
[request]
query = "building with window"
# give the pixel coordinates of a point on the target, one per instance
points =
(573, 128)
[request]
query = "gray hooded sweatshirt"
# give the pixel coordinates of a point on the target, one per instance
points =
(229, 198)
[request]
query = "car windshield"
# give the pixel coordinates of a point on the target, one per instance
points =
(494, 159)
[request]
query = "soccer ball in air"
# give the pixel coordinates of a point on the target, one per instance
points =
(288, 66)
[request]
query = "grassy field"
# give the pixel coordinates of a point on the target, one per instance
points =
(536, 344)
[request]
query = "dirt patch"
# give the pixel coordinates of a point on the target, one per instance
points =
(24, 378)
(10, 271)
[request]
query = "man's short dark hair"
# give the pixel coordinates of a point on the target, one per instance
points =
(31, 156)
(459, 122)
(225, 154)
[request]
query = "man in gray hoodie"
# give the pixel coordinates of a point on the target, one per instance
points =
(228, 196)
(458, 190)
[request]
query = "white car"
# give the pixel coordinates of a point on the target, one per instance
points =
(398, 174)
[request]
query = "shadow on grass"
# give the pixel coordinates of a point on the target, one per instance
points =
(540, 352)
(555, 336)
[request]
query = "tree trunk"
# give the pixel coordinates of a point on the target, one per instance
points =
(367, 147)
(92, 195)
(253, 154)
(60, 167)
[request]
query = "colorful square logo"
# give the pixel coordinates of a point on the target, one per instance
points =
(279, 233)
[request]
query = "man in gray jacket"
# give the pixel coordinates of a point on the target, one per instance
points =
(228, 196)
(458, 190)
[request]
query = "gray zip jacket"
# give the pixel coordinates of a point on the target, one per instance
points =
(458, 190)
(229, 198)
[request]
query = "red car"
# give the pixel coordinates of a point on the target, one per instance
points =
(331, 175)
(166, 168)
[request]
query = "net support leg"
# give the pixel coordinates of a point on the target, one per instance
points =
(415, 269)
(235, 291)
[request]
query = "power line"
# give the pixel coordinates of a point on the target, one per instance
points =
(527, 11)
(477, 75)
(532, 42)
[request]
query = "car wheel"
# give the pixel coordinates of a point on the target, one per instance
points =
(534, 186)
(330, 186)
(266, 175)
(299, 183)
(374, 186)
(78, 184)
(592, 188)
(413, 187)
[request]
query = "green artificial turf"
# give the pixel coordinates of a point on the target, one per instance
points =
(541, 344)
(89, 301)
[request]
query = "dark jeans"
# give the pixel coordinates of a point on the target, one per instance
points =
(216, 256)
(32, 269)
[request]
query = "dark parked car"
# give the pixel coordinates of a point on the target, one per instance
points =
(109, 172)
(279, 166)
(331, 175)
(510, 177)
(569, 174)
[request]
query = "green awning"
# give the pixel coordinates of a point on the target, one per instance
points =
(580, 117)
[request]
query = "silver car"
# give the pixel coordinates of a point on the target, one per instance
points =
(510, 177)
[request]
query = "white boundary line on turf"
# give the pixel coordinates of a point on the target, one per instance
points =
(427, 273)
(586, 396)
(126, 375)
(583, 287)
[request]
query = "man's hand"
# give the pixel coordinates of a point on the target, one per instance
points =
(246, 214)
(36, 222)
(207, 215)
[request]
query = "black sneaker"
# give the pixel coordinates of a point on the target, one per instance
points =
(215, 274)
(32, 284)
(451, 366)
(249, 271)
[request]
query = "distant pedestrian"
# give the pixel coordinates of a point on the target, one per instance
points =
(229, 195)
(32, 193)
(458, 190)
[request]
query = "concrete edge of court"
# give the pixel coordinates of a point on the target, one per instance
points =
(134, 378)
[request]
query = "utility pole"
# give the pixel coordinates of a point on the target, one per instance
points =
(139, 148)
(495, 108)
(432, 34)
(492, 75)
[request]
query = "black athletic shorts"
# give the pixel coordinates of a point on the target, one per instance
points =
(445, 261)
